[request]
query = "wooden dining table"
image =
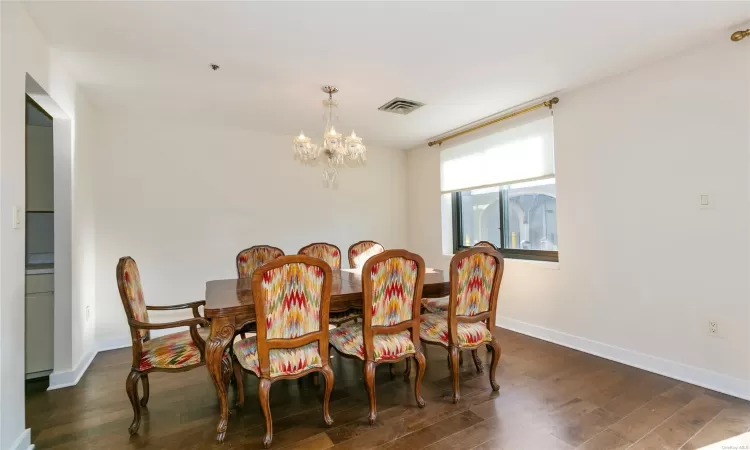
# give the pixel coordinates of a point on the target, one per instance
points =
(230, 307)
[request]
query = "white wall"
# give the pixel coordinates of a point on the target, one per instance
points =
(183, 199)
(642, 267)
(24, 51)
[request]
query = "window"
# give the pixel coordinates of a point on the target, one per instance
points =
(520, 219)
(502, 190)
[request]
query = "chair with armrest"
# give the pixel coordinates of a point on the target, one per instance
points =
(175, 352)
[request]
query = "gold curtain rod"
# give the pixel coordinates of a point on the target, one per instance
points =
(548, 104)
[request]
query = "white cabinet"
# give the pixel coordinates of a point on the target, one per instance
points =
(40, 309)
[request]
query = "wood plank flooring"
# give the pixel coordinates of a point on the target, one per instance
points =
(551, 397)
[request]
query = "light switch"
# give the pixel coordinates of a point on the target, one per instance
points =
(704, 200)
(16, 217)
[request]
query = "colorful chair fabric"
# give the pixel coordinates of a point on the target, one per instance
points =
(251, 258)
(362, 251)
(327, 252)
(391, 286)
(174, 352)
(475, 276)
(293, 293)
(438, 305)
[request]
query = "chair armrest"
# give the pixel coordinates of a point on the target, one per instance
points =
(193, 305)
(194, 322)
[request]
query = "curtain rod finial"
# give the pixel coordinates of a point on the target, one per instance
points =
(552, 101)
(739, 35)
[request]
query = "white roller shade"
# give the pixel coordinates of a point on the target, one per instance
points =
(522, 151)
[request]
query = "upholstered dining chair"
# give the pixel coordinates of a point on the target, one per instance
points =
(485, 244)
(438, 305)
(321, 250)
(175, 352)
(251, 258)
(391, 286)
(361, 251)
(293, 293)
(475, 276)
(331, 255)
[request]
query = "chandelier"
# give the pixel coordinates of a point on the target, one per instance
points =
(336, 149)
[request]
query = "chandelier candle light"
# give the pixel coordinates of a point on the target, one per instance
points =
(336, 148)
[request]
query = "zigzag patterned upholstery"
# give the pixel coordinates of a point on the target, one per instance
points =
(349, 340)
(172, 351)
(438, 305)
(292, 299)
(393, 283)
(292, 295)
(251, 258)
(362, 251)
(131, 283)
(434, 328)
(284, 361)
(327, 252)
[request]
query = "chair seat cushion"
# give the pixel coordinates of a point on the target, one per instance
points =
(349, 340)
(283, 361)
(434, 328)
(172, 351)
(435, 305)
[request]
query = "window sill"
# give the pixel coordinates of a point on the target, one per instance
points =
(539, 264)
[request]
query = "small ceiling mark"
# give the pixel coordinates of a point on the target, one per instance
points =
(215, 67)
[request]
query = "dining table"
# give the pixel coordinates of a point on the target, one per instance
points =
(230, 307)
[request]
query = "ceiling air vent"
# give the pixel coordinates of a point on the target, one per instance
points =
(401, 106)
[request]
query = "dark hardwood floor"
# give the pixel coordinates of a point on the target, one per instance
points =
(551, 397)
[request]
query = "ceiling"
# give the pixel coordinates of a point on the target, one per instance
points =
(464, 60)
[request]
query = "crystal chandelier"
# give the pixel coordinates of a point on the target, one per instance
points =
(336, 149)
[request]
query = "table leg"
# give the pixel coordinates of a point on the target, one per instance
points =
(222, 333)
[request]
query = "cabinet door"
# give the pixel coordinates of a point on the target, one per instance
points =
(40, 309)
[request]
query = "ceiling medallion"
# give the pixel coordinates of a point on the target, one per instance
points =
(336, 149)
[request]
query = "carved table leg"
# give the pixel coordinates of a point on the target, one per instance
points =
(222, 333)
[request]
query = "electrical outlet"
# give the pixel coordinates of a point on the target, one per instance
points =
(713, 328)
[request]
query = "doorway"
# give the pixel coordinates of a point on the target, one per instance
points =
(39, 226)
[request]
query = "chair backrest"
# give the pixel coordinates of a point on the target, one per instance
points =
(475, 276)
(251, 258)
(293, 294)
(485, 244)
(362, 251)
(392, 284)
(131, 294)
(321, 250)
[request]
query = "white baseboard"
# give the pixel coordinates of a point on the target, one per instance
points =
(69, 378)
(23, 442)
(672, 369)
